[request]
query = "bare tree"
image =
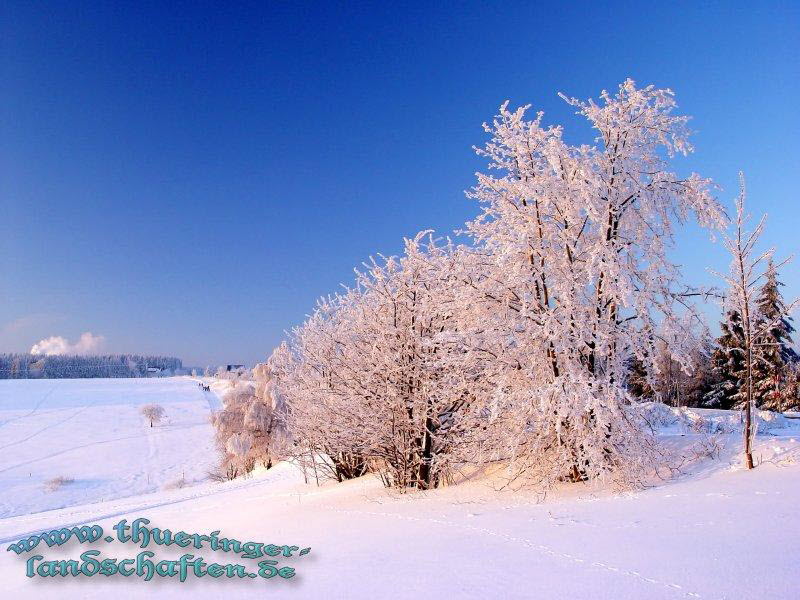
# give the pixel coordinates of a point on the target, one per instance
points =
(153, 412)
(745, 273)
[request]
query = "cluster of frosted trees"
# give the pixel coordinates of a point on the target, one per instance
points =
(513, 350)
(25, 366)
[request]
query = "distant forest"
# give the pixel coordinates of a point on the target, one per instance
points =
(33, 366)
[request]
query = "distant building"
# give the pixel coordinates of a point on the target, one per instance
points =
(36, 369)
(238, 369)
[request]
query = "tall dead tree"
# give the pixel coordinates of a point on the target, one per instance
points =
(745, 273)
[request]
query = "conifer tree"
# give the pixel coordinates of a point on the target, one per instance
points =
(728, 364)
(638, 382)
(774, 353)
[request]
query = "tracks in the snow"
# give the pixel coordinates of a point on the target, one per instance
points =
(169, 429)
(543, 549)
(35, 408)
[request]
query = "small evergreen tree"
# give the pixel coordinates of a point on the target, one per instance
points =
(773, 347)
(638, 380)
(728, 365)
(792, 385)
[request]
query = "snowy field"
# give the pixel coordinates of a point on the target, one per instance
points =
(713, 531)
(90, 431)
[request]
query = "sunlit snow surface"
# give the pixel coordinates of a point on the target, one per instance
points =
(90, 430)
(713, 531)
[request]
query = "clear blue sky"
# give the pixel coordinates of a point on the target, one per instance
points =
(186, 178)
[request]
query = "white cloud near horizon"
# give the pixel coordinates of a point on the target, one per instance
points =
(56, 345)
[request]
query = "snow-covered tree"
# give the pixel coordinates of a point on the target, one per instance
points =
(743, 278)
(575, 281)
(249, 412)
(517, 348)
(774, 352)
(264, 417)
(153, 413)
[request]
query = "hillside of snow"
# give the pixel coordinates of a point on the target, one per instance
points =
(713, 530)
(91, 431)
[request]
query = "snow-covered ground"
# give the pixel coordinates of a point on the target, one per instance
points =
(91, 431)
(712, 531)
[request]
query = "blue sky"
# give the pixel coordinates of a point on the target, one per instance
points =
(186, 178)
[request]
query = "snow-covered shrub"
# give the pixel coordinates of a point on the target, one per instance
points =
(381, 378)
(249, 429)
(56, 483)
(686, 420)
(175, 484)
(720, 424)
(768, 420)
(693, 421)
(708, 446)
(658, 415)
(702, 424)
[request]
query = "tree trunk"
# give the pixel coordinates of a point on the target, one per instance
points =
(748, 337)
(748, 410)
(425, 480)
